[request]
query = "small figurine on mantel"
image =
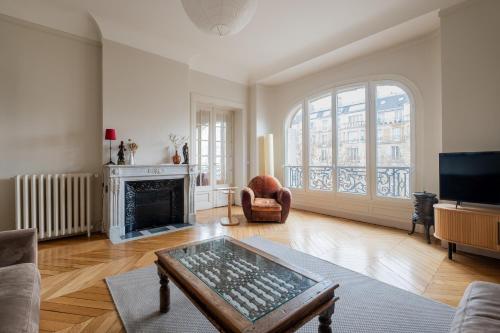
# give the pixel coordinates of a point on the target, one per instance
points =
(185, 152)
(121, 154)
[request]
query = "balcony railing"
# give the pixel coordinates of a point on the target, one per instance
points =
(294, 176)
(321, 178)
(393, 182)
(351, 180)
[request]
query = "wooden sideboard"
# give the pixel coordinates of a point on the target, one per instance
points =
(471, 226)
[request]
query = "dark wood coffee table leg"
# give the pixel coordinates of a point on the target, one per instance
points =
(164, 292)
(325, 320)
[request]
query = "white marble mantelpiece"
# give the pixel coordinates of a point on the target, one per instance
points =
(115, 176)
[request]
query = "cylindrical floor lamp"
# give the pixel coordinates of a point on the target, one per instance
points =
(111, 136)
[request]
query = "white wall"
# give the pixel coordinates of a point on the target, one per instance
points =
(470, 46)
(145, 98)
(261, 101)
(416, 63)
(55, 102)
(50, 110)
(211, 86)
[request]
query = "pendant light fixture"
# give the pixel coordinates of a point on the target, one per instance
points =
(220, 17)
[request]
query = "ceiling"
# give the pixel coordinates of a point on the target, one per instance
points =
(286, 39)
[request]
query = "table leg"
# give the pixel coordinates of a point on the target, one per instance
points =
(164, 293)
(325, 320)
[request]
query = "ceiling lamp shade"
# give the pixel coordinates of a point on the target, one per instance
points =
(220, 17)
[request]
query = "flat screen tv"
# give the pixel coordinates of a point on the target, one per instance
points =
(470, 177)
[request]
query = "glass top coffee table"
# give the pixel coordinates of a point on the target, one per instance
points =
(243, 289)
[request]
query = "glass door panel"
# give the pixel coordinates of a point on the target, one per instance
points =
(214, 156)
(223, 148)
(203, 147)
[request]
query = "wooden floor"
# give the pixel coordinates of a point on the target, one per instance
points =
(75, 297)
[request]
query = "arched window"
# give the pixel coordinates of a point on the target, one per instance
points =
(340, 154)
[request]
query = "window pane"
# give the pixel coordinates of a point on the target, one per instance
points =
(294, 143)
(223, 144)
(293, 168)
(202, 149)
(351, 141)
(320, 143)
(393, 142)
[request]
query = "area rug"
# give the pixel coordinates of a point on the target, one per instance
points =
(365, 305)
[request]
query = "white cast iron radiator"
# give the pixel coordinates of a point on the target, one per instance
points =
(56, 205)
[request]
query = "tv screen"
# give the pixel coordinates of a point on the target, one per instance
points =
(470, 177)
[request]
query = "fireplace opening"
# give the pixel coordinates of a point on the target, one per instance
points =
(153, 203)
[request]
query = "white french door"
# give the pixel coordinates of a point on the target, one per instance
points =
(214, 155)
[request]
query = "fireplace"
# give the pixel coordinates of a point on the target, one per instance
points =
(145, 200)
(153, 203)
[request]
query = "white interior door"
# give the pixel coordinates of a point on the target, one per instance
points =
(214, 155)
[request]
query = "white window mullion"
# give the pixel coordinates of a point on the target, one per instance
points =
(211, 150)
(305, 145)
(334, 139)
(371, 142)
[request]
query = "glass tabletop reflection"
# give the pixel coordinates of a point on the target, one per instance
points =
(249, 282)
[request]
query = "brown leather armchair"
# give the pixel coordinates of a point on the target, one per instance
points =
(266, 200)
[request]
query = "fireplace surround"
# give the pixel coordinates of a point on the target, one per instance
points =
(140, 197)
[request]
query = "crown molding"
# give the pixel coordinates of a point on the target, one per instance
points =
(49, 30)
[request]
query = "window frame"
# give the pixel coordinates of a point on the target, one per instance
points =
(291, 115)
(370, 137)
(341, 89)
(373, 170)
(305, 135)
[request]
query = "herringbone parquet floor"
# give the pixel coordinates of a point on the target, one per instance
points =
(75, 297)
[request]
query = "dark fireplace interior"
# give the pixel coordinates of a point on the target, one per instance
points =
(153, 203)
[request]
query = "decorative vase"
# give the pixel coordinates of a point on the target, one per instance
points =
(131, 160)
(176, 158)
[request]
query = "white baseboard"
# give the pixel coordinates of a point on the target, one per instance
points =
(392, 223)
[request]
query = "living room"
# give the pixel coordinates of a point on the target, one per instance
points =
(249, 165)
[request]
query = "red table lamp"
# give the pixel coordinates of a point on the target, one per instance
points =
(111, 136)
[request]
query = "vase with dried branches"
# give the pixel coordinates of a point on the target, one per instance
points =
(177, 141)
(132, 147)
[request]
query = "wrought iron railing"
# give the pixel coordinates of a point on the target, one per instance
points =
(351, 180)
(393, 182)
(321, 178)
(294, 176)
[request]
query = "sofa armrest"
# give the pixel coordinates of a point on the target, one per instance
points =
(18, 246)
(478, 309)
(247, 199)
(284, 198)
